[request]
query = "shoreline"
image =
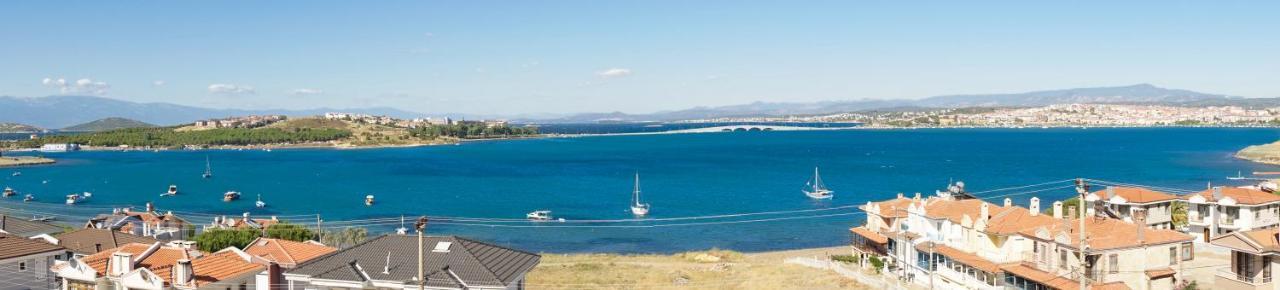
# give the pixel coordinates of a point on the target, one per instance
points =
(20, 161)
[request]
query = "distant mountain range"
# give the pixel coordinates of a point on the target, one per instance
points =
(1134, 94)
(64, 111)
(107, 124)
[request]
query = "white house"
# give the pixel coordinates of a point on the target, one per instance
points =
(1125, 201)
(1224, 210)
(159, 267)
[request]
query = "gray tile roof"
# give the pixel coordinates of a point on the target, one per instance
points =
(89, 240)
(394, 258)
(12, 246)
(26, 228)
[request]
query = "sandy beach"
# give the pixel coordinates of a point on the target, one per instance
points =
(14, 161)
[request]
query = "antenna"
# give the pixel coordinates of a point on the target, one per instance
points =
(386, 270)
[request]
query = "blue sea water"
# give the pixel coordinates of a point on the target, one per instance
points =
(681, 174)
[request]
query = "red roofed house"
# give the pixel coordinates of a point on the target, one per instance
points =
(159, 267)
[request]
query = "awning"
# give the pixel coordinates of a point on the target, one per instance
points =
(1054, 281)
(1160, 273)
(960, 256)
(870, 235)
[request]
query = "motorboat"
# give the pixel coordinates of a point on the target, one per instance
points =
(173, 190)
(231, 196)
(260, 203)
(638, 208)
(73, 198)
(28, 198)
(539, 215)
(815, 189)
(368, 200)
(17, 173)
(8, 191)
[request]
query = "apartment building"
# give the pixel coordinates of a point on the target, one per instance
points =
(1123, 202)
(158, 266)
(945, 242)
(1224, 210)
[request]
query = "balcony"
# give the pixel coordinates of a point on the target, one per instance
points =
(1227, 220)
(1229, 280)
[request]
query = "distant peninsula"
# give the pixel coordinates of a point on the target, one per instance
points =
(18, 128)
(107, 124)
(1265, 153)
(338, 130)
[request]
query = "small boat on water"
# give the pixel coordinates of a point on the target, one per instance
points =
(816, 189)
(73, 198)
(638, 208)
(17, 173)
(231, 196)
(9, 192)
(539, 215)
(208, 169)
(28, 198)
(368, 200)
(86, 194)
(173, 190)
(260, 203)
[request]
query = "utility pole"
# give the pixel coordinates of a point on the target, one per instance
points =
(1083, 190)
(421, 226)
(319, 231)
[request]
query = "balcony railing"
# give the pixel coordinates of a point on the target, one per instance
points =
(1226, 220)
(1230, 274)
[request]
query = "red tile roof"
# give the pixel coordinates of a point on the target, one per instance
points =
(1136, 194)
(1244, 196)
(1105, 233)
(285, 252)
(870, 235)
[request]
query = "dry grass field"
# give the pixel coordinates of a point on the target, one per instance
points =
(714, 269)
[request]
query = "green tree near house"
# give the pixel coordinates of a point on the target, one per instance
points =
(288, 231)
(218, 239)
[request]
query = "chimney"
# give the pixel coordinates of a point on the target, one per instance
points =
(899, 195)
(1035, 206)
(150, 207)
(917, 195)
(1073, 211)
(1057, 209)
(1217, 193)
(121, 263)
(97, 248)
(1008, 202)
(275, 277)
(245, 217)
(1140, 219)
(182, 272)
(1111, 192)
(985, 213)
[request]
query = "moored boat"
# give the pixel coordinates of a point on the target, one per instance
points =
(17, 173)
(231, 196)
(260, 203)
(28, 198)
(368, 200)
(638, 208)
(816, 189)
(9, 192)
(208, 169)
(73, 198)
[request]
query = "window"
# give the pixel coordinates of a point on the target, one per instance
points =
(1062, 259)
(22, 266)
(1266, 268)
(1173, 256)
(1187, 252)
(1114, 263)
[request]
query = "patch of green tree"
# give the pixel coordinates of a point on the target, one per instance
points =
(471, 131)
(218, 239)
(168, 137)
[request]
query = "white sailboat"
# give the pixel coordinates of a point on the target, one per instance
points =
(208, 168)
(260, 203)
(638, 208)
(815, 188)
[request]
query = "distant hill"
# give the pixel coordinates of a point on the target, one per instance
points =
(64, 111)
(107, 124)
(18, 128)
(1133, 94)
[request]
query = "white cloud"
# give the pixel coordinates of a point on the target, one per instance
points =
(300, 92)
(83, 86)
(230, 89)
(157, 83)
(614, 73)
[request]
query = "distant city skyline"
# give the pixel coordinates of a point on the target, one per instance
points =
(508, 58)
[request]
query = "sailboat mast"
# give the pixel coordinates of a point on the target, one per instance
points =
(635, 194)
(817, 179)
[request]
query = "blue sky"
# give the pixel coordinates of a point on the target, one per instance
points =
(512, 57)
